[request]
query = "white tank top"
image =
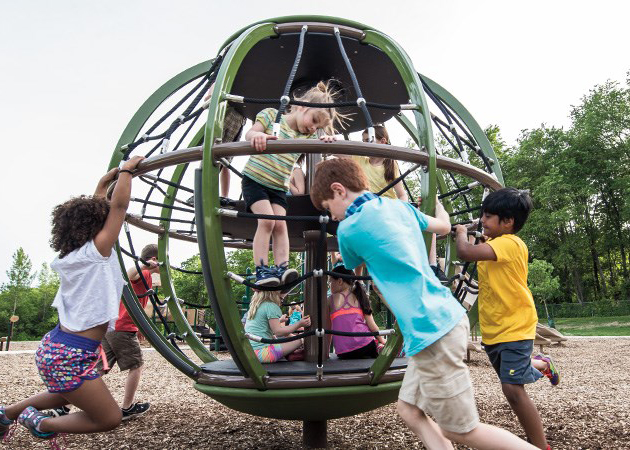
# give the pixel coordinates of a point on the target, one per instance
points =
(90, 288)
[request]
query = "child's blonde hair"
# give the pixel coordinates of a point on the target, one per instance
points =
(323, 92)
(260, 297)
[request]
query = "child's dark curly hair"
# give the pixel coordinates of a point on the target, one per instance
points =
(76, 222)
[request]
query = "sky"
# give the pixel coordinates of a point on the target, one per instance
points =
(74, 72)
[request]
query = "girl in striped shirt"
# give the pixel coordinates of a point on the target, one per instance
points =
(266, 177)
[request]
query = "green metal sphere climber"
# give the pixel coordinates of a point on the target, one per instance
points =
(260, 65)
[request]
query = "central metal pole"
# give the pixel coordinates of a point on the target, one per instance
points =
(315, 434)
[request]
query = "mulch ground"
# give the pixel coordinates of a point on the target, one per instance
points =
(588, 410)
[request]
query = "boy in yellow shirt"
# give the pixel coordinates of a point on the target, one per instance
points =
(507, 314)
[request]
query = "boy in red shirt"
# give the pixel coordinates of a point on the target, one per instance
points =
(122, 345)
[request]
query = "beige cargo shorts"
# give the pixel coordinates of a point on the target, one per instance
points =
(437, 381)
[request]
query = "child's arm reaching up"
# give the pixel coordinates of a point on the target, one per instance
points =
(471, 252)
(257, 136)
(441, 223)
(280, 330)
(105, 239)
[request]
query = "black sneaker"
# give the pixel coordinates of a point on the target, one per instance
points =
(267, 276)
(135, 410)
(58, 412)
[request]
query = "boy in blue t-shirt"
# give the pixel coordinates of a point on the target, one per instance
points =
(434, 326)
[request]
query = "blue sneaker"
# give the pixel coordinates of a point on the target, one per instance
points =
(266, 276)
(31, 418)
(5, 424)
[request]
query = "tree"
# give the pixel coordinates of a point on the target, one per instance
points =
(20, 277)
(544, 286)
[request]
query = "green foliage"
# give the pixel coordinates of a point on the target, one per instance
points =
(31, 304)
(544, 286)
(579, 180)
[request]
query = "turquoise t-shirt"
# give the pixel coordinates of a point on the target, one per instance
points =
(386, 234)
(259, 325)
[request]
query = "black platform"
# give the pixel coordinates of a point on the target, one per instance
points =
(285, 368)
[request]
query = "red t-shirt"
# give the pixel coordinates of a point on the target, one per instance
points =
(124, 322)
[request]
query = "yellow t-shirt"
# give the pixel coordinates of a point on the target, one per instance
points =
(376, 175)
(506, 306)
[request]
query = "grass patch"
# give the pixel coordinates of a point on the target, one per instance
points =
(594, 326)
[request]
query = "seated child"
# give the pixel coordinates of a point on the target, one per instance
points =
(263, 320)
(266, 178)
(433, 325)
(84, 232)
(350, 311)
(507, 313)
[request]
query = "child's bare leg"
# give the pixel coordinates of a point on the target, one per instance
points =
(43, 400)
(224, 181)
(280, 243)
(488, 437)
(290, 347)
(131, 386)
(527, 414)
(540, 364)
(433, 250)
(422, 426)
(99, 411)
(264, 229)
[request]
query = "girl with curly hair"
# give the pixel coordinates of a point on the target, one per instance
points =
(84, 232)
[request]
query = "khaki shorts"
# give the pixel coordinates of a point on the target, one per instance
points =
(122, 347)
(437, 382)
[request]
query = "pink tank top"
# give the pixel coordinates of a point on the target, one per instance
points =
(348, 318)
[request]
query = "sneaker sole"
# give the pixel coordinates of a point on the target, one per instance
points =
(289, 276)
(270, 282)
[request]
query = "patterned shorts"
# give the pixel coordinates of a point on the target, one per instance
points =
(65, 360)
(269, 353)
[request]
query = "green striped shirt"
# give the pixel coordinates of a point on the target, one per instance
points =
(273, 171)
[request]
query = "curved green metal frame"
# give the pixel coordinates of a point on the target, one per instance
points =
(212, 221)
(165, 270)
(129, 134)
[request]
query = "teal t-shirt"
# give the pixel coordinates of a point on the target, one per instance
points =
(386, 234)
(259, 325)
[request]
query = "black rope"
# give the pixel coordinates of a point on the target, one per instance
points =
(163, 205)
(289, 83)
(464, 211)
(286, 339)
(167, 219)
(192, 272)
(247, 215)
(208, 79)
(401, 177)
(465, 188)
(230, 167)
(355, 82)
(279, 287)
(194, 305)
(347, 277)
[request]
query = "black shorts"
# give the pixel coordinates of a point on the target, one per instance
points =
(512, 361)
(254, 192)
(368, 351)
